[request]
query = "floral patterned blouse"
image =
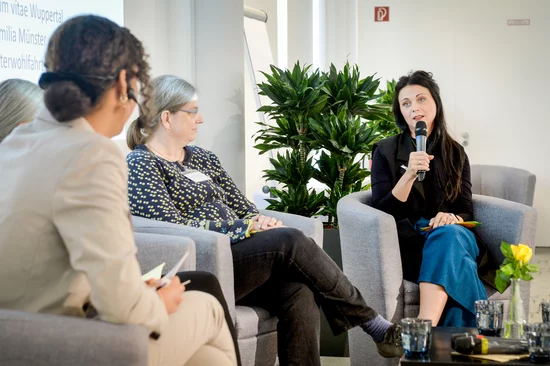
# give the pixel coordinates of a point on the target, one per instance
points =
(162, 190)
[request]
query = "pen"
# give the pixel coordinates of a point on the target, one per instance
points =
(186, 282)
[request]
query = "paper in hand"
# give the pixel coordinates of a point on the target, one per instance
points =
(168, 277)
(155, 273)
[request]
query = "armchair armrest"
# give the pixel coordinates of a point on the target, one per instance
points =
(370, 253)
(313, 228)
(45, 339)
(504, 220)
(213, 251)
(153, 249)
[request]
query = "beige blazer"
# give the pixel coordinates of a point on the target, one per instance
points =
(65, 231)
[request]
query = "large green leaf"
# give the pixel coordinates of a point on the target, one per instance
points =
(506, 250)
(297, 201)
(289, 170)
(383, 120)
(347, 88)
(501, 281)
(347, 136)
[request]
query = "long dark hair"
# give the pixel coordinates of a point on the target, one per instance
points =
(84, 58)
(449, 176)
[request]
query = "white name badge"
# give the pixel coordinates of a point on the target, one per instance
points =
(196, 176)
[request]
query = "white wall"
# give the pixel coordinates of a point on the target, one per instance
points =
(300, 32)
(201, 41)
(166, 28)
(493, 77)
(341, 33)
(219, 73)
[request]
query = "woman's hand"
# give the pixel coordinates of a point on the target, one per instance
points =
(262, 222)
(442, 219)
(418, 160)
(170, 294)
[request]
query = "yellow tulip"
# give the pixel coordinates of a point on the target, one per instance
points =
(522, 253)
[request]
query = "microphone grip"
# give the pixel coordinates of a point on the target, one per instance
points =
(473, 345)
(421, 146)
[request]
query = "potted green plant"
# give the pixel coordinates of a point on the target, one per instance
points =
(297, 98)
(385, 123)
(324, 125)
(343, 134)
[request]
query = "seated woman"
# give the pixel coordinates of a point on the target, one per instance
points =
(275, 267)
(65, 233)
(19, 102)
(443, 260)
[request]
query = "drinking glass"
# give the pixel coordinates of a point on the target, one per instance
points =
(538, 337)
(489, 315)
(417, 337)
(545, 310)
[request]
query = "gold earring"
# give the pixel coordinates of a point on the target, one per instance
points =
(123, 98)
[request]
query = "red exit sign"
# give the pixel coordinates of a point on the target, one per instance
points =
(381, 13)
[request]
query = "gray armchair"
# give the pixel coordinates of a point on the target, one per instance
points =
(256, 327)
(372, 261)
(44, 339)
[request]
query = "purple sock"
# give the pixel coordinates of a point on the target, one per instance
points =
(376, 328)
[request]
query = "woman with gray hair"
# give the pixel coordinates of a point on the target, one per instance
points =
(19, 101)
(275, 267)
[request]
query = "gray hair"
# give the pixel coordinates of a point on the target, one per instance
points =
(169, 93)
(19, 102)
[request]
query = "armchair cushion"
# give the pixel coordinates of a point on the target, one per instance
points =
(44, 339)
(153, 249)
(512, 184)
(369, 250)
(213, 251)
(504, 220)
(313, 228)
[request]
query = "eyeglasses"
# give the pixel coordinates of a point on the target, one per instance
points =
(190, 111)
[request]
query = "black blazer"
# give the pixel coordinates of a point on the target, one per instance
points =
(425, 200)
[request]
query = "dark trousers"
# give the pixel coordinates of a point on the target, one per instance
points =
(285, 272)
(207, 282)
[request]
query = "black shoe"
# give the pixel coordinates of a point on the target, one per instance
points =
(391, 346)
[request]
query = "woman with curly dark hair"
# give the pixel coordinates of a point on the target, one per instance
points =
(65, 232)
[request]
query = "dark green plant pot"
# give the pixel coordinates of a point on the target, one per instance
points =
(330, 345)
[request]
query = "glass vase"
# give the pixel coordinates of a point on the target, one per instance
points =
(515, 319)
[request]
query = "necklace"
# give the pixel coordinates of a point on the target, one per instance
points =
(178, 160)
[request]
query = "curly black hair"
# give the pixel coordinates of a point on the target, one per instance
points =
(93, 50)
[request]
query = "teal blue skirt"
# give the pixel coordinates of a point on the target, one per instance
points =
(449, 260)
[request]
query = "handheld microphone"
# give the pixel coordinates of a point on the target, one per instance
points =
(475, 345)
(421, 132)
